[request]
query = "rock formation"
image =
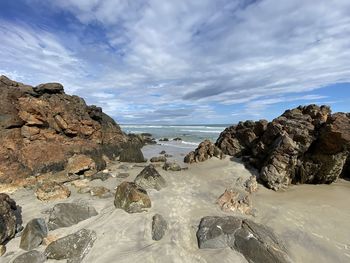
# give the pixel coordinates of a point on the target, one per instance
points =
(204, 151)
(149, 178)
(41, 127)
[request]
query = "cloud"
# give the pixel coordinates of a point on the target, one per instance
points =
(166, 60)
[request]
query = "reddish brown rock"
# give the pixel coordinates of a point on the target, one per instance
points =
(51, 191)
(81, 164)
(235, 201)
(10, 219)
(41, 127)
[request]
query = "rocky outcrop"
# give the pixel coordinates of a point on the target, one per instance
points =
(149, 178)
(41, 127)
(307, 144)
(10, 218)
(33, 234)
(131, 198)
(256, 242)
(204, 151)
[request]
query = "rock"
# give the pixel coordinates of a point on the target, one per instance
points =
(158, 159)
(131, 198)
(80, 164)
(30, 257)
(41, 128)
(234, 200)
(163, 139)
(171, 166)
(177, 139)
(149, 178)
(83, 183)
(68, 214)
(159, 227)
(132, 153)
(100, 192)
(204, 151)
(73, 247)
(33, 234)
(10, 218)
(51, 191)
(2, 250)
(103, 176)
(122, 175)
(251, 185)
(256, 242)
(162, 152)
(168, 155)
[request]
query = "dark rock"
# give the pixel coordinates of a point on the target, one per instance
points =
(10, 218)
(159, 227)
(73, 247)
(100, 175)
(158, 159)
(204, 151)
(163, 139)
(172, 166)
(256, 242)
(50, 88)
(150, 178)
(131, 198)
(168, 155)
(68, 214)
(162, 152)
(132, 153)
(177, 139)
(30, 257)
(33, 234)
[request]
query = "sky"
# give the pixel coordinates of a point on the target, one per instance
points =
(183, 61)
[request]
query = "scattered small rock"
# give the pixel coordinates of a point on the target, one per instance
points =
(172, 166)
(30, 257)
(73, 247)
(83, 183)
(177, 139)
(168, 155)
(158, 159)
(123, 175)
(50, 191)
(163, 139)
(150, 178)
(234, 200)
(124, 167)
(162, 152)
(33, 234)
(131, 198)
(159, 227)
(101, 192)
(68, 214)
(103, 176)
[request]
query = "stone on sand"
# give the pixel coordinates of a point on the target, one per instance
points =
(50, 191)
(33, 256)
(33, 234)
(159, 227)
(149, 178)
(172, 166)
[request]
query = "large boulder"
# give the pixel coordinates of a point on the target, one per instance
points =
(204, 151)
(33, 234)
(68, 214)
(150, 178)
(10, 218)
(73, 247)
(256, 242)
(307, 144)
(132, 153)
(131, 198)
(41, 127)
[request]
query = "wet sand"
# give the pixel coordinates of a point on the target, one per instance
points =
(311, 219)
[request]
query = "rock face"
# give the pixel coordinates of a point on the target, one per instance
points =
(131, 198)
(68, 214)
(50, 191)
(30, 257)
(41, 127)
(159, 227)
(304, 145)
(204, 151)
(150, 178)
(33, 234)
(73, 247)
(256, 242)
(10, 218)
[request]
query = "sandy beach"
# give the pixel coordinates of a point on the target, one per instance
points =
(311, 219)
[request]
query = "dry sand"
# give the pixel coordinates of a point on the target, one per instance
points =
(311, 219)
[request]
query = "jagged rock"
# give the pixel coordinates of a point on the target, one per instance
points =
(150, 178)
(158, 159)
(132, 153)
(234, 200)
(172, 166)
(159, 227)
(68, 214)
(256, 242)
(33, 234)
(131, 198)
(30, 257)
(204, 151)
(81, 164)
(10, 218)
(50, 191)
(73, 247)
(307, 144)
(2, 250)
(41, 127)
(100, 192)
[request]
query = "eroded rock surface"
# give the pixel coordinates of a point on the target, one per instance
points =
(149, 178)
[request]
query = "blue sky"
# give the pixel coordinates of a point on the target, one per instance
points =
(184, 61)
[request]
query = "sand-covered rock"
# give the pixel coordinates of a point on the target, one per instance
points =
(30, 257)
(73, 247)
(159, 227)
(307, 144)
(10, 218)
(41, 127)
(256, 242)
(50, 191)
(131, 198)
(33, 234)
(203, 152)
(149, 178)
(68, 214)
